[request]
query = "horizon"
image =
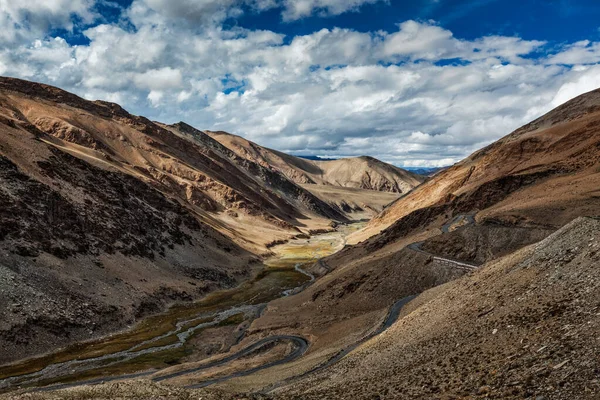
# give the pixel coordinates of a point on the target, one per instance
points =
(414, 84)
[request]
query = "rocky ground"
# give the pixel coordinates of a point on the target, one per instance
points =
(480, 243)
(524, 326)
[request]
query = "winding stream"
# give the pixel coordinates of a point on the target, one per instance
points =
(148, 345)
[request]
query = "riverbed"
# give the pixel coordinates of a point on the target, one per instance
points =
(164, 340)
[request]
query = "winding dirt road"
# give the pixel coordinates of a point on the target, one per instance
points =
(417, 246)
(303, 344)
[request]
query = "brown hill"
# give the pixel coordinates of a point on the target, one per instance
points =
(509, 195)
(225, 191)
(543, 174)
(106, 217)
(359, 173)
(524, 326)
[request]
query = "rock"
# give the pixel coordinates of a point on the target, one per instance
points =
(561, 364)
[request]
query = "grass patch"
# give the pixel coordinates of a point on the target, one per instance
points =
(233, 320)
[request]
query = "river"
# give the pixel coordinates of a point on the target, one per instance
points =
(163, 340)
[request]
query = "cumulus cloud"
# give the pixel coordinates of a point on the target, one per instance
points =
(215, 11)
(22, 20)
(415, 96)
(583, 52)
(296, 9)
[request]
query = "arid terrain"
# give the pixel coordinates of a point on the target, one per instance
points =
(108, 217)
(481, 282)
(360, 172)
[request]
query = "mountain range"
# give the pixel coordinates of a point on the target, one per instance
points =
(480, 281)
(123, 215)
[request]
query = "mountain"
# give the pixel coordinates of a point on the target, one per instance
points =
(525, 326)
(479, 283)
(359, 172)
(316, 158)
(543, 174)
(107, 217)
(426, 171)
(223, 190)
(492, 262)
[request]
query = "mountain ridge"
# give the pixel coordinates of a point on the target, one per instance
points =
(363, 172)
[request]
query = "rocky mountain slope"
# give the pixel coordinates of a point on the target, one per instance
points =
(481, 211)
(524, 326)
(106, 217)
(87, 250)
(543, 174)
(495, 263)
(223, 190)
(359, 173)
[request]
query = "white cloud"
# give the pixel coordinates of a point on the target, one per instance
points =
(583, 52)
(583, 80)
(155, 96)
(417, 40)
(159, 79)
(296, 9)
(195, 11)
(333, 92)
(22, 20)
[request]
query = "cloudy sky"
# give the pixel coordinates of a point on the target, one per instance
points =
(415, 83)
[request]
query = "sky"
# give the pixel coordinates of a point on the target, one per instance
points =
(413, 83)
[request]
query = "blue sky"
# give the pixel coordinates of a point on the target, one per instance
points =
(415, 83)
(559, 21)
(555, 20)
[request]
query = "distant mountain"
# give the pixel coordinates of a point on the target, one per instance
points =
(316, 158)
(425, 171)
(359, 172)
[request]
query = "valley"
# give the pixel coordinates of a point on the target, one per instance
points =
(172, 337)
(142, 259)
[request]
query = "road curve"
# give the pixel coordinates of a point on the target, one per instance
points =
(417, 246)
(390, 319)
(301, 347)
(301, 343)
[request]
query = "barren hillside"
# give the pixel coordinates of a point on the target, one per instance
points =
(524, 326)
(223, 190)
(543, 174)
(494, 203)
(107, 217)
(359, 173)
(481, 284)
(87, 250)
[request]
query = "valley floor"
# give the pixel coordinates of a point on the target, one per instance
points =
(186, 333)
(521, 326)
